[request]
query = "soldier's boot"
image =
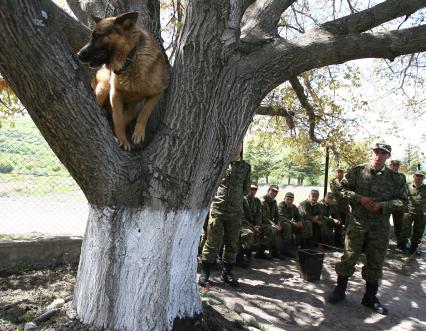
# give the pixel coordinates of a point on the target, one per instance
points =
(241, 260)
(286, 250)
(339, 292)
(227, 275)
(402, 248)
(260, 253)
(413, 248)
(370, 300)
(205, 273)
(276, 253)
(248, 255)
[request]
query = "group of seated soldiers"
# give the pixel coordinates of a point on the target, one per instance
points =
(278, 228)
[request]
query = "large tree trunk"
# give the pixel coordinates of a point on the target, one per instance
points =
(138, 261)
(137, 268)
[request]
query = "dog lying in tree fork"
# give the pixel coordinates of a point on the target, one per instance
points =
(133, 68)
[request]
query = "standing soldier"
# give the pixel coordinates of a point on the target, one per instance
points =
(289, 214)
(251, 231)
(415, 217)
(331, 216)
(225, 220)
(374, 192)
(271, 217)
(399, 214)
(342, 203)
(311, 212)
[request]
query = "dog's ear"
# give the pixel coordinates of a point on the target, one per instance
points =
(126, 19)
(96, 19)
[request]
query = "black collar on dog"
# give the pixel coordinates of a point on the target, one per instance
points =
(129, 60)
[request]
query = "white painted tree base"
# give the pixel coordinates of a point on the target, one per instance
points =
(138, 268)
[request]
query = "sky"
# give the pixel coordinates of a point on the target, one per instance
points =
(388, 110)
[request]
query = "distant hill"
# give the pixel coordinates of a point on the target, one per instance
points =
(23, 150)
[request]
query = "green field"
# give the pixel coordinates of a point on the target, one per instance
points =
(27, 164)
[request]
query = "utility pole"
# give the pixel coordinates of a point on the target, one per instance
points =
(327, 157)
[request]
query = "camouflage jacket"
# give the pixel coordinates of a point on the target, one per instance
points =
(288, 214)
(269, 211)
(385, 186)
(329, 211)
(230, 193)
(417, 199)
(341, 202)
(308, 211)
(252, 211)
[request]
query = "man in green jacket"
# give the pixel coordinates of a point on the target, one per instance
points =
(271, 221)
(397, 216)
(374, 193)
(224, 224)
(414, 219)
(290, 217)
(251, 229)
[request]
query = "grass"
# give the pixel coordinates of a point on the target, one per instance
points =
(28, 167)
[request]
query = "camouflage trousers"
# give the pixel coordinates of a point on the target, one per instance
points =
(397, 218)
(370, 237)
(305, 232)
(224, 229)
(246, 237)
(285, 235)
(415, 223)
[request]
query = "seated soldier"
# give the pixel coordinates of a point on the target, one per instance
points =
(251, 235)
(331, 217)
(289, 214)
(311, 211)
(271, 221)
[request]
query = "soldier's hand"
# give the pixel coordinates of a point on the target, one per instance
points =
(370, 204)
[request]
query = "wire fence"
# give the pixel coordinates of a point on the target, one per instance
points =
(37, 194)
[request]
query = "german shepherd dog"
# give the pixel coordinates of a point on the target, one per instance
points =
(133, 68)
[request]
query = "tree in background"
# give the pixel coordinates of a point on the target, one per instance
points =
(147, 207)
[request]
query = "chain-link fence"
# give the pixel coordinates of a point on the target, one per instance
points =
(37, 194)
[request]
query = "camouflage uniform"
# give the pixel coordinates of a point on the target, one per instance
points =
(333, 232)
(398, 215)
(369, 231)
(291, 216)
(225, 213)
(308, 211)
(270, 217)
(252, 217)
(342, 203)
(415, 217)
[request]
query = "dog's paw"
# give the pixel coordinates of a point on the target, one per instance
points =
(124, 144)
(138, 135)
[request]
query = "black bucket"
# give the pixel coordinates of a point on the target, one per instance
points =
(310, 262)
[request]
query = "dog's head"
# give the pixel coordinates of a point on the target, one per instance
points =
(108, 36)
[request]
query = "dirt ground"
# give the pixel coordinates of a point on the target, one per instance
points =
(273, 292)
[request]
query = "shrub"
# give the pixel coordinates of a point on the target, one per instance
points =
(6, 167)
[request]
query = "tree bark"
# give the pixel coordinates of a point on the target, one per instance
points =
(137, 269)
(147, 207)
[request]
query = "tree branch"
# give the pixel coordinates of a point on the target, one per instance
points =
(274, 111)
(374, 16)
(310, 112)
(260, 21)
(47, 77)
(277, 62)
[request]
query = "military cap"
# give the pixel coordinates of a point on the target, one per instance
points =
(274, 187)
(395, 161)
(314, 192)
(419, 173)
(340, 169)
(253, 185)
(382, 146)
(289, 194)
